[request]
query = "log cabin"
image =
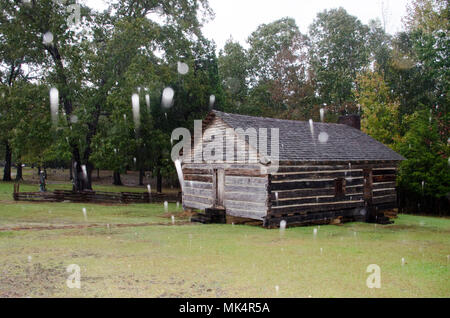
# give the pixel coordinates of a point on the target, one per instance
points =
(322, 173)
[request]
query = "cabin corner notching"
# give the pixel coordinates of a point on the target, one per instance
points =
(351, 177)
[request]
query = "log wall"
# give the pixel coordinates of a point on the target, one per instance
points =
(303, 193)
(246, 189)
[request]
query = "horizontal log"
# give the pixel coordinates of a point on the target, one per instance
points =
(312, 192)
(384, 199)
(311, 166)
(203, 200)
(318, 200)
(384, 185)
(245, 173)
(385, 171)
(312, 184)
(384, 192)
(255, 207)
(258, 188)
(314, 218)
(384, 178)
(225, 166)
(229, 180)
(195, 205)
(317, 175)
(198, 192)
(258, 196)
(197, 185)
(187, 171)
(315, 207)
(246, 214)
(198, 178)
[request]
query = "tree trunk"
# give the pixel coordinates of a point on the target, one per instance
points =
(117, 180)
(141, 176)
(7, 170)
(19, 175)
(159, 181)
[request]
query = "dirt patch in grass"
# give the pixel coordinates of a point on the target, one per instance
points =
(31, 280)
(72, 227)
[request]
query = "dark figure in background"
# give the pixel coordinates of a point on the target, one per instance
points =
(42, 178)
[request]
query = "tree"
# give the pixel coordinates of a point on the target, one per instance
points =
(426, 172)
(266, 43)
(339, 52)
(234, 72)
(380, 112)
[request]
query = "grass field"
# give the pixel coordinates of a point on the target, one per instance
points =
(189, 260)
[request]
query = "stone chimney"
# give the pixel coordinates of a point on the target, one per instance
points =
(351, 120)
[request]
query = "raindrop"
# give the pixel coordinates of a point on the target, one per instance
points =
(30, 258)
(282, 227)
(166, 206)
(323, 137)
(125, 116)
(134, 160)
(167, 97)
(85, 214)
(322, 115)
(315, 233)
(147, 101)
(321, 250)
(277, 290)
(83, 169)
(54, 103)
(178, 205)
(403, 261)
(212, 100)
(47, 38)
(135, 105)
(73, 119)
(173, 220)
(182, 68)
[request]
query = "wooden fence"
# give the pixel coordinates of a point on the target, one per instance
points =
(94, 196)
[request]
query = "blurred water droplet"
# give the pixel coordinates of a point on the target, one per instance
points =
(283, 224)
(322, 115)
(212, 100)
(166, 206)
(29, 259)
(173, 220)
(403, 261)
(136, 109)
(54, 104)
(167, 97)
(182, 68)
(147, 102)
(47, 38)
(85, 214)
(73, 119)
(323, 137)
(277, 290)
(84, 171)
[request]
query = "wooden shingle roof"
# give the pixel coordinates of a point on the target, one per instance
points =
(299, 143)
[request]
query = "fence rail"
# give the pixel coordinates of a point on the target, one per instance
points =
(94, 196)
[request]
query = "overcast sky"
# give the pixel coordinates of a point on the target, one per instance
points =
(239, 18)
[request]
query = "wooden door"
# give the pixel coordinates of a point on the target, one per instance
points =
(219, 178)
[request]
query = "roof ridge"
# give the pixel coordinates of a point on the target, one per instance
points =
(217, 112)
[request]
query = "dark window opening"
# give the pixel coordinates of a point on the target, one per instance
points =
(339, 187)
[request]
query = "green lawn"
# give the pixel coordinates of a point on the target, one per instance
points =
(185, 260)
